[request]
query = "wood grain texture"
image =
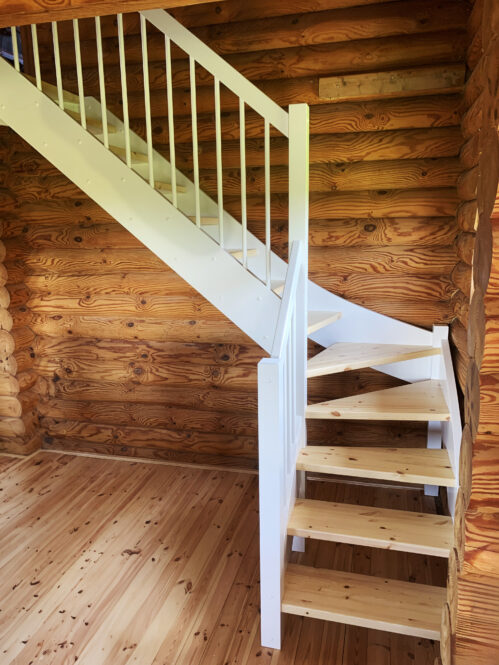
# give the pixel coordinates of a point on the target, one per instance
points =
(182, 582)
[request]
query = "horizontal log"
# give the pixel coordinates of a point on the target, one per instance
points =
(338, 25)
(474, 51)
(6, 321)
(12, 427)
(393, 174)
(485, 468)
(489, 404)
(7, 343)
(4, 297)
(464, 246)
(9, 384)
(468, 184)
(467, 216)
(23, 337)
(334, 149)
(427, 79)
(473, 118)
(461, 278)
(156, 416)
(19, 294)
(204, 442)
(313, 60)
(490, 359)
(24, 359)
(132, 328)
(26, 380)
(10, 407)
(470, 152)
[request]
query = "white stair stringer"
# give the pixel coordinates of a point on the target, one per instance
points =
(145, 212)
(357, 323)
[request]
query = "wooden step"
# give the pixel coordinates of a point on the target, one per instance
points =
(277, 287)
(136, 157)
(318, 320)
(343, 357)
(423, 466)
(94, 125)
(400, 530)
(363, 600)
(206, 221)
(421, 401)
(167, 187)
(238, 253)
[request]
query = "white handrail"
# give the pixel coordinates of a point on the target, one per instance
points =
(219, 68)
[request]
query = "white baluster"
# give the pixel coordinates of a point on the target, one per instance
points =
(147, 98)
(124, 90)
(79, 73)
(268, 245)
(102, 81)
(171, 115)
(57, 60)
(36, 56)
(220, 184)
(15, 48)
(242, 150)
(195, 147)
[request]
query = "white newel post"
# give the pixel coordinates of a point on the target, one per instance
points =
(299, 130)
(271, 490)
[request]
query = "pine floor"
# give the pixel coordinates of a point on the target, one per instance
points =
(104, 561)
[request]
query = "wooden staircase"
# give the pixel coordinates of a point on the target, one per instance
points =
(363, 600)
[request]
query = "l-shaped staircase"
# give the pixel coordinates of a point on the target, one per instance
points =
(277, 306)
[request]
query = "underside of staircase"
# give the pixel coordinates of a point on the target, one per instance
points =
(276, 305)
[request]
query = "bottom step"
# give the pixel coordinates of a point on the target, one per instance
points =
(362, 600)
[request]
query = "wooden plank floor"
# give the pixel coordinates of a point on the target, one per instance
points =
(105, 561)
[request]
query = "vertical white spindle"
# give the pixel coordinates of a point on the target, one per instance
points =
(36, 56)
(147, 98)
(15, 48)
(268, 246)
(102, 81)
(220, 185)
(124, 90)
(79, 73)
(242, 150)
(171, 124)
(195, 148)
(57, 60)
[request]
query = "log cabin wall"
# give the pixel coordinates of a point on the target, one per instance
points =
(473, 620)
(134, 362)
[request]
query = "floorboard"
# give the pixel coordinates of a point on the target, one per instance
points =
(106, 561)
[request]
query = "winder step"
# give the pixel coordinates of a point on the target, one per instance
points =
(345, 356)
(421, 401)
(363, 600)
(402, 530)
(423, 466)
(318, 320)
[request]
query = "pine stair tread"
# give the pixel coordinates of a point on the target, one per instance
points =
(420, 401)
(136, 157)
(402, 530)
(167, 186)
(206, 221)
(363, 600)
(318, 320)
(344, 356)
(423, 466)
(238, 253)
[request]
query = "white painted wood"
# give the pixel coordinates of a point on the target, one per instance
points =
(219, 68)
(242, 151)
(195, 146)
(220, 186)
(79, 73)
(57, 63)
(124, 90)
(434, 442)
(147, 98)
(143, 211)
(171, 118)
(36, 56)
(15, 48)
(102, 82)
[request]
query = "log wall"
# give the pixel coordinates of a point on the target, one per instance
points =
(473, 621)
(131, 360)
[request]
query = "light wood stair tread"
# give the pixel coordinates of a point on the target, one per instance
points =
(420, 401)
(318, 320)
(136, 157)
(206, 221)
(238, 253)
(413, 465)
(344, 356)
(402, 530)
(167, 186)
(363, 600)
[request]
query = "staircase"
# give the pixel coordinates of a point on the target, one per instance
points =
(274, 303)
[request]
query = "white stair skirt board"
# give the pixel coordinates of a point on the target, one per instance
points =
(143, 211)
(414, 401)
(344, 356)
(401, 530)
(408, 465)
(363, 600)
